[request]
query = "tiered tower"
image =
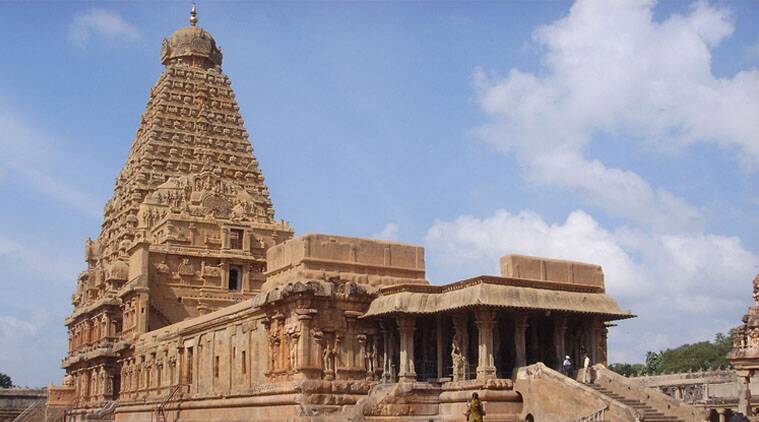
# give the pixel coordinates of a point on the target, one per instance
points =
(187, 228)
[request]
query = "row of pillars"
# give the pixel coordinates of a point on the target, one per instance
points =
(485, 320)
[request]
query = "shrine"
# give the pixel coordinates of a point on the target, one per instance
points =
(196, 304)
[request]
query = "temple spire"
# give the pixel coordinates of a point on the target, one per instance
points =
(193, 15)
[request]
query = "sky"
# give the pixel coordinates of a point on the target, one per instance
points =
(620, 133)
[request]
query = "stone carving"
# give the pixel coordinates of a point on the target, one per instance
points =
(457, 357)
(186, 267)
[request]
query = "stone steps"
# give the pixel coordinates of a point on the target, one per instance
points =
(650, 414)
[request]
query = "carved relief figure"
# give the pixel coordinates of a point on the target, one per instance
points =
(457, 358)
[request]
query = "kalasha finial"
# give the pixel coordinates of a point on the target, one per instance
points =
(193, 15)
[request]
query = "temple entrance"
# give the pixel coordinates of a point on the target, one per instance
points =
(503, 345)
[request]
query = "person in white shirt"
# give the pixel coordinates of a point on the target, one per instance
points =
(586, 369)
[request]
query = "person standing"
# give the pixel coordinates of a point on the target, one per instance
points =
(566, 366)
(474, 409)
(586, 369)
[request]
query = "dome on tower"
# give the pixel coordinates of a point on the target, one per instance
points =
(191, 45)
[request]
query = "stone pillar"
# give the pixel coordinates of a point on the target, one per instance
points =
(406, 328)
(245, 241)
(559, 336)
(439, 344)
(461, 333)
(304, 344)
(603, 346)
(225, 238)
(485, 321)
(595, 341)
(143, 313)
(520, 328)
(744, 391)
(722, 416)
(363, 350)
(386, 358)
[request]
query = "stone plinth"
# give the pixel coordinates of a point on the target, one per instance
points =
(555, 270)
(323, 257)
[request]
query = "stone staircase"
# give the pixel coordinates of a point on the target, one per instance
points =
(649, 413)
(651, 404)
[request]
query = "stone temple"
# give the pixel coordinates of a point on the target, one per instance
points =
(198, 305)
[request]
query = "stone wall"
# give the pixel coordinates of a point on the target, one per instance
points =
(13, 401)
(368, 262)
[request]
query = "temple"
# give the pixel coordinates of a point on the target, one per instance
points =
(198, 305)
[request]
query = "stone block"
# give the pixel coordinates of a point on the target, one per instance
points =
(553, 270)
(323, 256)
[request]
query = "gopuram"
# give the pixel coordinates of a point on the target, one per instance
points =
(198, 305)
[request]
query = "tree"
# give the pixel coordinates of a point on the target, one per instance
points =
(653, 362)
(627, 369)
(700, 356)
(5, 381)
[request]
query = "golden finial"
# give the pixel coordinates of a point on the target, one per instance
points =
(193, 15)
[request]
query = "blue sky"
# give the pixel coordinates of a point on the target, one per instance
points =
(623, 133)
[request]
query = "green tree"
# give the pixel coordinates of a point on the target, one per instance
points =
(653, 362)
(628, 369)
(700, 356)
(5, 381)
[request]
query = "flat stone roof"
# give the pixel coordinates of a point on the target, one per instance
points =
(501, 292)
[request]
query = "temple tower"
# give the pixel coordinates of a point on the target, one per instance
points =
(187, 228)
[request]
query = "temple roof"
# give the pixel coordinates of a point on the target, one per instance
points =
(191, 42)
(498, 292)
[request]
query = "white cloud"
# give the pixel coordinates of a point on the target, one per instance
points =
(615, 74)
(103, 23)
(389, 232)
(684, 287)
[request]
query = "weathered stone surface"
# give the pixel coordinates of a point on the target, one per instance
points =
(370, 262)
(560, 271)
(13, 401)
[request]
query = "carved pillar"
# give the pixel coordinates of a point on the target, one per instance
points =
(350, 339)
(362, 350)
(225, 238)
(246, 238)
(439, 344)
(520, 328)
(406, 328)
(461, 336)
(744, 391)
(386, 358)
(559, 335)
(485, 321)
(305, 356)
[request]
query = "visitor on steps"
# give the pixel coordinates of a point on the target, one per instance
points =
(586, 369)
(474, 410)
(566, 366)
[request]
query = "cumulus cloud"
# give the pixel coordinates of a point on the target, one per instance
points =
(102, 23)
(389, 232)
(684, 287)
(614, 74)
